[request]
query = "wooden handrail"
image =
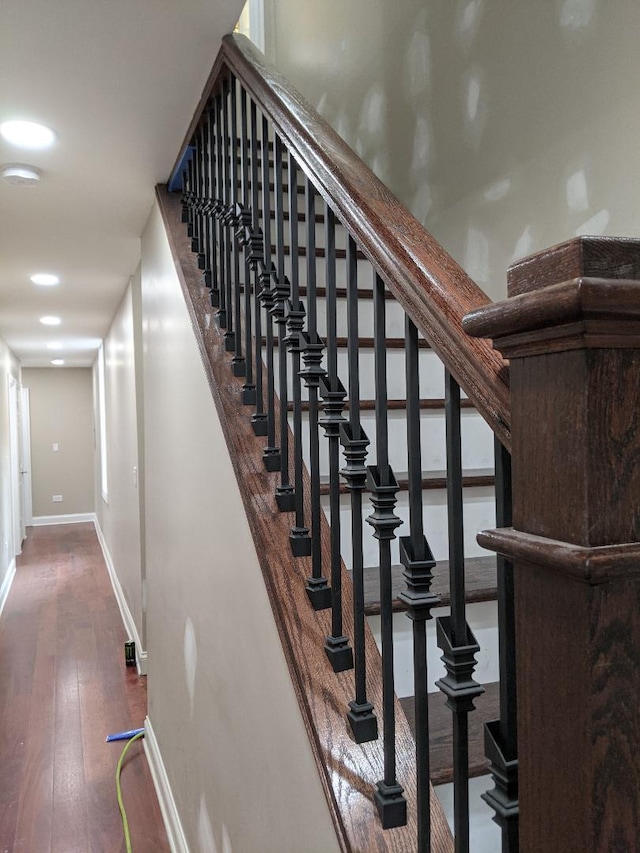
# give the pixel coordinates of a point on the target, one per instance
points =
(432, 288)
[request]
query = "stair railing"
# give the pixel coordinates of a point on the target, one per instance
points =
(253, 144)
(570, 330)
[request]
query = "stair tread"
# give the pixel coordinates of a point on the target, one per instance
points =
(367, 343)
(430, 480)
(441, 732)
(480, 583)
(429, 403)
(341, 255)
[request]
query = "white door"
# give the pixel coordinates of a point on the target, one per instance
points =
(25, 461)
(14, 460)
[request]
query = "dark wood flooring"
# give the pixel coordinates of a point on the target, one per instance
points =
(63, 688)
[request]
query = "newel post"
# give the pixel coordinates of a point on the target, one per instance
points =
(571, 329)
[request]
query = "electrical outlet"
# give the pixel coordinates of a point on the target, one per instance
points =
(57, 499)
(56, 447)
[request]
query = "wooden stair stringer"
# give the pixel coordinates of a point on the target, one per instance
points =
(349, 772)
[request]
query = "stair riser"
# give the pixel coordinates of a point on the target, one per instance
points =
(431, 374)
(477, 448)
(479, 514)
(365, 274)
(483, 620)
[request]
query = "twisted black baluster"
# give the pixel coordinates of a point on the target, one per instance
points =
(285, 496)
(390, 801)
(238, 363)
(243, 236)
(418, 562)
(501, 736)
(353, 438)
(259, 418)
(455, 638)
(336, 645)
(299, 537)
(271, 453)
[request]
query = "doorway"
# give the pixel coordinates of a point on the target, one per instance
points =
(17, 526)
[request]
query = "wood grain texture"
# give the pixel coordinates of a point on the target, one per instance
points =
(589, 565)
(430, 480)
(480, 583)
(593, 257)
(367, 343)
(64, 688)
(576, 519)
(427, 404)
(431, 287)
(348, 771)
(487, 709)
(582, 313)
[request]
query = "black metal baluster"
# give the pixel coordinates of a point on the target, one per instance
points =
(195, 194)
(259, 418)
(243, 236)
(211, 276)
(227, 220)
(390, 801)
(317, 589)
(188, 196)
(455, 638)
(238, 364)
(336, 644)
(299, 538)
(418, 562)
(355, 442)
(203, 247)
(219, 210)
(501, 736)
(271, 453)
(285, 496)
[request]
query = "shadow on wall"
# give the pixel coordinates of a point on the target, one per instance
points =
(493, 122)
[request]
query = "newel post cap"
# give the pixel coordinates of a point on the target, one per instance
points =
(581, 294)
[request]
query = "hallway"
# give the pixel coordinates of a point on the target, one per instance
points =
(63, 688)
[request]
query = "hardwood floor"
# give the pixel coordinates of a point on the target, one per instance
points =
(63, 688)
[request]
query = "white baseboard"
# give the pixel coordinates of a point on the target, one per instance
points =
(170, 816)
(71, 518)
(6, 583)
(127, 617)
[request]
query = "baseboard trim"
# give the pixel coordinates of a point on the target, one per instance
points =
(170, 816)
(127, 617)
(70, 518)
(6, 584)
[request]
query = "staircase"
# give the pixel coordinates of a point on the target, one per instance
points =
(371, 437)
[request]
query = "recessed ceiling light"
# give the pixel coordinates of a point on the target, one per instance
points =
(45, 278)
(54, 345)
(50, 321)
(20, 175)
(27, 134)
(57, 361)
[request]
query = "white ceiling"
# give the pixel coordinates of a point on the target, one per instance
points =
(118, 80)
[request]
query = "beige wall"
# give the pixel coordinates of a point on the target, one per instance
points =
(9, 366)
(220, 696)
(119, 516)
(61, 401)
(504, 126)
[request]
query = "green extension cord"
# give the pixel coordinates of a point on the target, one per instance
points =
(125, 822)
